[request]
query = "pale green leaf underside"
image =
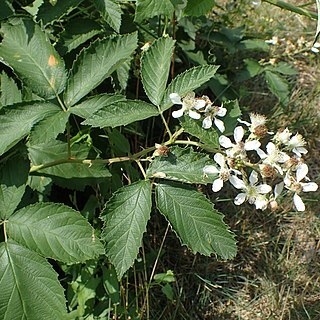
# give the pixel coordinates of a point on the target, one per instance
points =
(155, 66)
(29, 286)
(97, 63)
(10, 94)
(13, 177)
(57, 150)
(126, 217)
(91, 105)
(27, 50)
(149, 8)
(121, 113)
(183, 165)
(17, 121)
(55, 231)
(188, 81)
(111, 12)
(193, 218)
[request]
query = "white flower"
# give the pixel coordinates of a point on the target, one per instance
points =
(239, 148)
(283, 136)
(296, 143)
(224, 172)
(273, 156)
(295, 185)
(256, 121)
(255, 194)
(210, 113)
(188, 103)
(315, 47)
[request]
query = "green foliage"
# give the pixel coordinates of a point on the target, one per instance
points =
(198, 7)
(149, 8)
(10, 93)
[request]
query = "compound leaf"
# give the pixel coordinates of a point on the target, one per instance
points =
(193, 218)
(126, 217)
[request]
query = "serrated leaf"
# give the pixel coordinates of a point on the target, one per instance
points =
(91, 105)
(188, 81)
(123, 73)
(149, 8)
(253, 44)
(13, 178)
(193, 218)
(49, 13)
(121, 113)
(29, 286)
(155, 67)
(126, 217)
(57, 151)
(87, 72)
(111, 12)
(6, 9)
(285, 68)
(207, 136)
(279, 86)
(232, 116)
(198, 8)
(49, 128)
(27, 50)
(16, 121)
(55, 231)
(183, 165)
(10, 93)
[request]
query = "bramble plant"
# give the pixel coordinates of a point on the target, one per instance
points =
(73, 116)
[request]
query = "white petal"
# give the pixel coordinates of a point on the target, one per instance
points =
(263, 188)
(238, 134)
(298, 203)
(199, 104)
(175, 98)
(240, 198)
(237, 183)
(207, 122)
(178, 113)
(210, 170)
(261, 153)
(271, 148)
(310, 186)
(219, 124)
(253, 179)
(194, 115)
(220, 159)
(225, 142)
(261, 202)
(217, 185)
(221, 112)
(278, 189)
(283, 157)
(252, 145)
(248, 124)
(302, 171)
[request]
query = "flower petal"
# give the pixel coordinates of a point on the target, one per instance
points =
(207, 122)
(210, 170)
(309, 186)
(263, 188)
(219, 124)
(252, 145)
(217, 185)
(240, 199)
(221, 112)
(237, 183)
(261, 153)
(194, 115)
(278, 189)
(178, 113)
(220, 159)
(298, 203)
(199, 104)
(271, 148)
(261, 202)
(253, 179)
(238, 134)
(302, 171)
(225, 142)
(175, 98)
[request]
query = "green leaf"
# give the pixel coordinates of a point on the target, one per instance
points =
(49, 12)
(6, 9)
(13, 177)
(188, 81)
(121, 113)
(126, 217)
(284, 68)
(49, 128)
(193, 218)
(29, 286)
(149, 8)
(231, 118)
(55, 231)
(27, 50)
(252, 68)
(155, 67)
(91, 105)
(87, 72)
(198, 8)
(57, 151)
(207, 136)
(10, 94)
(111, 12)
(123, 74)
(183, 165)
(17, 121)
(279, 86)
(253, 44)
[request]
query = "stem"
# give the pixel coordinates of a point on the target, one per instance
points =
(5, 231)
(141, 168)
(165, 123)
(287, 6)
(61, 103)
